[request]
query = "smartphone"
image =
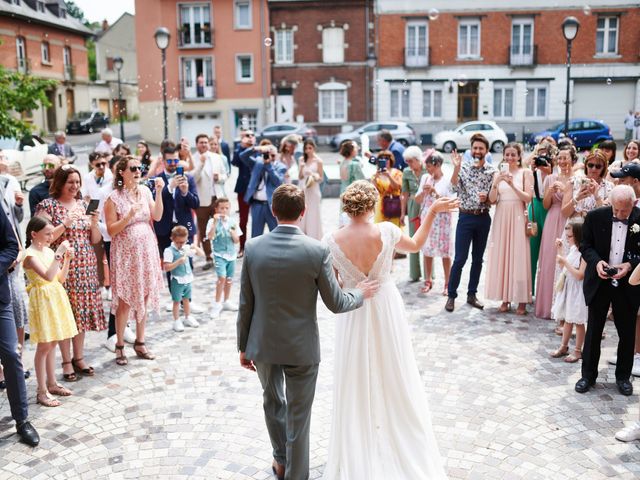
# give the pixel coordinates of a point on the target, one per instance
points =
(382, 164)
(151, 183)
(180, 170)
(504, 168)
(93, 206)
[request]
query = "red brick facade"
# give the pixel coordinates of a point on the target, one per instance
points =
(496, 37)
(308, 70)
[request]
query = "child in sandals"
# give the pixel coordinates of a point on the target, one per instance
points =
(569, 304)
(50, 314)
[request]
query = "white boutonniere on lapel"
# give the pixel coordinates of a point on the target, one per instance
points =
(635, 228)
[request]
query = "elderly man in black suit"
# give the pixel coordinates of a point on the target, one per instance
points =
(611, 248)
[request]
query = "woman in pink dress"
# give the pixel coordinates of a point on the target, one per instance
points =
(310, 177)
(136, 276)
(509, 263)
(554, 188)
(67, 213)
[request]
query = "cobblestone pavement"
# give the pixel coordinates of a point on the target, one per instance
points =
(501, 407)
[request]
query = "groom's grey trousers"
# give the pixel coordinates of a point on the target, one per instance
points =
(289, 419)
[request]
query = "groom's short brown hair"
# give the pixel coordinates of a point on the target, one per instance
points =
(287, 202)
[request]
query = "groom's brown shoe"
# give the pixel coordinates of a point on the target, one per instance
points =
(278, 470)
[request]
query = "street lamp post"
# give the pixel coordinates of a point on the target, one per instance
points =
(117, 64)
(570, 27)
(162, 37)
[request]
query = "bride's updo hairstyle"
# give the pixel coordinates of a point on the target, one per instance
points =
(360, 197)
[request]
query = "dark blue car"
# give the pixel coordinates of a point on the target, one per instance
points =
(584, 132)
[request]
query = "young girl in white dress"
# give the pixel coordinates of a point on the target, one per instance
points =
(569, 304)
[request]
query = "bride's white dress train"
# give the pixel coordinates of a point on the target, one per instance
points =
(381, 427)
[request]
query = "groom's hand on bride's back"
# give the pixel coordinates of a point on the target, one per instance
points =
(368, 288)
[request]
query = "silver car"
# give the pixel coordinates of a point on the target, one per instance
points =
(402, 132)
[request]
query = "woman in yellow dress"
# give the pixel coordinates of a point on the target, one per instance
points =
(50, 315)
(388, 182)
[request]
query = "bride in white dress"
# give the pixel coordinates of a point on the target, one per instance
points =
(381, 427)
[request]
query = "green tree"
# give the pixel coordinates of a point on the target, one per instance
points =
(20, 93)
(75, 11)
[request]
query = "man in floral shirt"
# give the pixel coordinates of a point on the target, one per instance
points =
(472, 182)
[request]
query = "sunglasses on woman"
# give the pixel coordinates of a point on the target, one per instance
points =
(597, 166)
(135, 168)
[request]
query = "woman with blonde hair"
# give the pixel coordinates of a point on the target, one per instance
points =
(372, 401)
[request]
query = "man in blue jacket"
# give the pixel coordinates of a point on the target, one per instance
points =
(9, 356)
(267, 174)
(179, 197)
(247, 140)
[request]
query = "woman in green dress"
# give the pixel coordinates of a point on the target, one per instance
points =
(350, 170)
(410, 182)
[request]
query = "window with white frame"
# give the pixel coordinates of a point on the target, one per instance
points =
(503, 101)
(416, 44)
(469, 38)
(242, 14)
(284, 46)
(197, 78)
(44, 51)
(521, 52)
(399, 101)
(432, 102)
(332, 102)
(21, 55)
(244, 68)
(536, 105)
(66, 56)
(607, 35)
(333, 45)
(195, 24)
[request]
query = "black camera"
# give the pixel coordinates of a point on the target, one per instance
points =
(611, 271)
(266, 155)
(542, 160)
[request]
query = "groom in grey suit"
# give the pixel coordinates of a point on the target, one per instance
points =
(277, 326)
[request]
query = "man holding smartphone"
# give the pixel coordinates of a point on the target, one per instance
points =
(179, 197)
(267, 174)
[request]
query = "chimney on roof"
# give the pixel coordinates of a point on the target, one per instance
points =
(105, 25)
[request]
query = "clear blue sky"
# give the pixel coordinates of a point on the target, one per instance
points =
(98, 10)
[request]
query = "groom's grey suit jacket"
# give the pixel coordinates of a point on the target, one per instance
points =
(282, 273)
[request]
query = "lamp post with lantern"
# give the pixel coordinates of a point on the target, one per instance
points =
(162, 37)
(117, 64)
(570, 27)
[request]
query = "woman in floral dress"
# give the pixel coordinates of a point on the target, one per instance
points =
(433, 185)
(136, 276)
(66, 211)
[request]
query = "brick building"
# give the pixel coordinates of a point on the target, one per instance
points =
(322, 62)
(40, 38)
(446, 62)
(217, 68)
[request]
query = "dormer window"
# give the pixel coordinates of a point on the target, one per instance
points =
(40, 6)
(63, 13)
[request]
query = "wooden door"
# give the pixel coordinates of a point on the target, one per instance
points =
(468, 102)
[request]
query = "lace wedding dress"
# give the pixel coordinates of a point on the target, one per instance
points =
(381, 427)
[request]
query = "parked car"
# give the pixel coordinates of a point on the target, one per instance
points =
(87, 122)
(584, 132)
(402, 132)
(460, 138)
(277, 131)
(24, 156)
